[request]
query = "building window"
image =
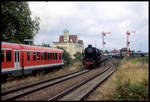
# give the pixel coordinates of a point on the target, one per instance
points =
(8, 55)
(2, 56)
(34, 56)
(28, 56)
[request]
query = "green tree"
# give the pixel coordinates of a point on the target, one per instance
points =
(16, 22)
(78, 56)
(67, 57)
(106, 51)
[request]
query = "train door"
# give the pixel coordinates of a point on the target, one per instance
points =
(62, 57)
(17, 59)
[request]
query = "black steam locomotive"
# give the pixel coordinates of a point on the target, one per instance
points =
(92, 57)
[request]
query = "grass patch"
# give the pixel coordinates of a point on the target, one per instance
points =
(129, 83)
(132, 82)
(131, 92)
(140, 60)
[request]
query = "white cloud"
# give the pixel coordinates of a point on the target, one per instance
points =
(90, 19)
(125, 25)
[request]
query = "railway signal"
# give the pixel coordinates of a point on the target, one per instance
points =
(103, 34)
(128, 33)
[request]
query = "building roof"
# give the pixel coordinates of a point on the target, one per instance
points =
(124, 49)
(61, 38)
(80, 42)
(114, 51)
(66, 31)
(72, 38)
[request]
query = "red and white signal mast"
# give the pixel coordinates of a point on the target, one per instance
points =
(103, 34)
(128, 33)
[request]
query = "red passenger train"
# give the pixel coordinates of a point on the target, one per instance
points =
(20, 59)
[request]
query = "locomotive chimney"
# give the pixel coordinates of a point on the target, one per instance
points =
(89, 45)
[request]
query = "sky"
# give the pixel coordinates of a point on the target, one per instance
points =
(89, 19)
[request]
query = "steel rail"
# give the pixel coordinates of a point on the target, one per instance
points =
(4, 92)
(52, 82)
(58, 96)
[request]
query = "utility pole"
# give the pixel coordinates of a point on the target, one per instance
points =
(128, 33)
(103, 34)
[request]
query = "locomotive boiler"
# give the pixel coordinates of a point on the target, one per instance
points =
(92, 57)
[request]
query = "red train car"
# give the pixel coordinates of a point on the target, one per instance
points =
(21, 59)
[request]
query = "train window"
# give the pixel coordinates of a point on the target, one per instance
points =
(41, 55)
(44, 55)
(2, 56)
(28, 56)
(34, 55)
(59, 55)
(48, 56)
(56, 56)
(63, 56)
(18, 56)
(8, 55)
(15, 56)
(38, 55)
(51, 56)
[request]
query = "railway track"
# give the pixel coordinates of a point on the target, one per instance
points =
(29, 91)
(82, 89)
(14, 93)
(23, 86)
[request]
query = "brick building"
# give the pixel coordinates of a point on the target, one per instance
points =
(70, 43)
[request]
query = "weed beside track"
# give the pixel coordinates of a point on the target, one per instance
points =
(129, 82)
